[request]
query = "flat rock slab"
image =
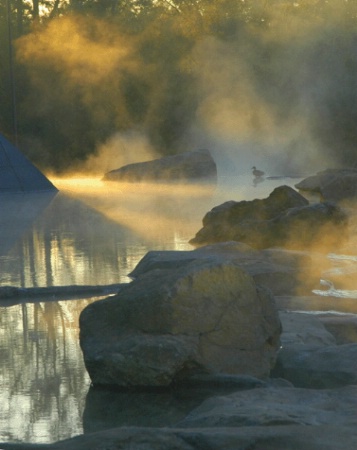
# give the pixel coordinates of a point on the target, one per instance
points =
(188, 167)
(283, 271)
(287, 437)
(312, 366)
(272, 406)
(302, 328)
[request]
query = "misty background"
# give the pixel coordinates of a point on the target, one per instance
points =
(102, 83)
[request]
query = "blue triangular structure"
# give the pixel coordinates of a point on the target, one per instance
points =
(17, 173)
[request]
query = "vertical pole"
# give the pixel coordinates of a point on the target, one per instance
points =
(12, 78)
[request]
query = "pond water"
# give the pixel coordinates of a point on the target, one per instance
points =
(90, 233)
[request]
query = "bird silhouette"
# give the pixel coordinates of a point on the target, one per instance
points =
(257, 173)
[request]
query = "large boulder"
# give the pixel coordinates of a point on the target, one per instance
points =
(282, 271)
(167, 325)
(284, 219)
(337, 185)
(188, 167)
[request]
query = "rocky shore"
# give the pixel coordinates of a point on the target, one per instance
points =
(312, 408)
(237, 321)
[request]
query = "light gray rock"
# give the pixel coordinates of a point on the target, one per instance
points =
(167, 325)
(188, 167)
(300, 328)
(272, 406)
(284, 219)
(316, 366)
(282, 271)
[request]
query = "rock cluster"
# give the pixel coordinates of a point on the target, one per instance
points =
(208, 320)
(284, 219)
(271, 414)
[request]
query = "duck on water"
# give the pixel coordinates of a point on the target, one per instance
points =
(257, 173)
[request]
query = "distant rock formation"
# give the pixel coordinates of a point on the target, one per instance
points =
(189, 167)
(17, 173)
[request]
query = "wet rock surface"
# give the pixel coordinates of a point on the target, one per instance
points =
(188, 167)
(227, 411)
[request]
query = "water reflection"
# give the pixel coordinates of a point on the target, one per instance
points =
(73, 243)
(74, 238)
(105, 408)
(17, 214)
(88, 234)
(42, 376)
(95, 233)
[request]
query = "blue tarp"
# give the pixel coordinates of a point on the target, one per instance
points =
(17, 173)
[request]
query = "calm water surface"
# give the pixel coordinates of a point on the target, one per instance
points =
(89, 233)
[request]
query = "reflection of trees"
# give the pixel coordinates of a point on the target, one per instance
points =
(42, 375)
(71, 244)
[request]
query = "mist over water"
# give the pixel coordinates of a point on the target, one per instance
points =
(272, 85)
(95, 233)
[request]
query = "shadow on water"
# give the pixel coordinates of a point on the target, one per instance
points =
(63, 242)
(106, 409)
(110, 408)
(17, 214)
